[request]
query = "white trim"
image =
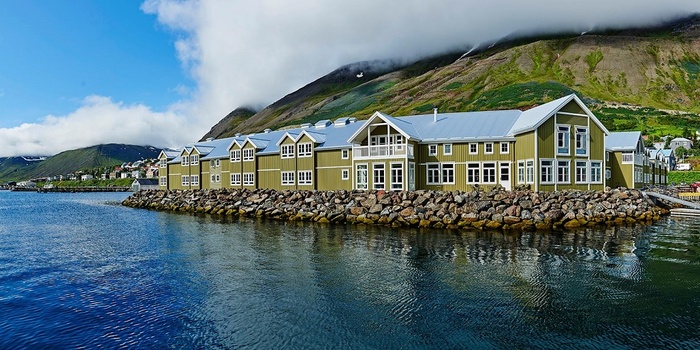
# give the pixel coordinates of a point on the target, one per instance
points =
(470, 147)
(444, 149)
(488, 152)
(495, 172)
(269, 169)
(500, 146)
(391, 176)
(552, 171)
(335, 167)
(430, 151)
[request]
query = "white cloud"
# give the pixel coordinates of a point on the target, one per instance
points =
(98, 120)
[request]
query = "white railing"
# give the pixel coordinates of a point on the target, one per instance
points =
(639, 159)
(383, 151)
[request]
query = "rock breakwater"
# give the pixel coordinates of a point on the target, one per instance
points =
(496, 209)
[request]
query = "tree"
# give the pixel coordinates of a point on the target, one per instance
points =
(681, 152)
(667, 144)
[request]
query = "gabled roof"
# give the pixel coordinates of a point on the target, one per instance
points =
(464, 126)
(169, 153)
(289, 134)
(532, 119)
(402, 126)
(623, 140)
(316, 137)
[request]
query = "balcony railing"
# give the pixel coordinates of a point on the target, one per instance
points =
(383, 151)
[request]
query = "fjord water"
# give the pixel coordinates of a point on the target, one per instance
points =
(79, 270)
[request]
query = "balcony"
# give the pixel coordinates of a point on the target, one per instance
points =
(382, 151)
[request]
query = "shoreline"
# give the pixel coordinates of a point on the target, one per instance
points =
(518, 210)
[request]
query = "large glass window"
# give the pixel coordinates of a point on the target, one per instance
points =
(433, 174)
(361, 177)
(473, 173)
(397, 176)
(596, 172)
(287, 151)
(546, 171)
(185, 160)
(489, 173)
(530, 171)
(448, 173)
(235, 155)
(563, 139)
(521, 172)
(287, 178)
(305, 177)
(304, 150)
(235, 179)
(581, 171)
(248, 155)
(248, 178)
(581, 141)
(563, 175)
(378, 176)
(194, 159)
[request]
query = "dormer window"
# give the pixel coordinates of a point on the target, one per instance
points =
(563, 139)
(248, 155)
(194, 159)
(185, 160)
(287, 151)
(304, 150)
(235, 155)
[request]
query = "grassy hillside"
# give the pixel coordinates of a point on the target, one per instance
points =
(16, 169)
(633, 80)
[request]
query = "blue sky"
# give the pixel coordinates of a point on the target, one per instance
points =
(77, 73)
(54, 53)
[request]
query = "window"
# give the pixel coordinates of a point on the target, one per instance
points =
(505, 147)
(530, 171)
(287, 178)
(397, 176)
(345, 174)
(447, 149)
(235, 179)
(361, 177)
(164, 163)
(163, 181)
(185, 180)
(305, 177)
(596, 172)
(345, 154)
(432, 150)
(489, 173)
(215, 163)
(287, 151)
(581, 170)
(521, 172)
(546, 171)
(581, 141)
(194, 159)
(473, 173)
(473, 148)
(562, 139)
(448, 173)
(185, 160)
(213, 178)
(488, 148)
(194, 179)
(304, 150)
(504, 176)
(236, 155)
(248, 155)
(563, 171)
(433, 174)
(218, 178)
(627, 158)
(248, 178)
(378, 176)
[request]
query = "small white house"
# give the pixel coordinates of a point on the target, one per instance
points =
(86, 177)
(683, 166)
(144, 184)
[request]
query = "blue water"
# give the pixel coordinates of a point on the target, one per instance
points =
(81, 271)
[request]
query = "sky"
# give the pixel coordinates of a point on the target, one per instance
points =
(76, 73)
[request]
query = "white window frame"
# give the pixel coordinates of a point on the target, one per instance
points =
(447, 173)
(345, 174)
(344, 154)
(628, 158)
(305, 178)
(473, 148)
(505, 147)
(447, 149)
(396, 174)
(235, 179)
(304, 150)
(488, 147)
(581, 172)
(164, 181)
(248, 179)
(489, 172)
(218, 178)
(287, 178)
(434, 178)
(595, 177)
(547, 171)
(529, 171)
(185, 180)
(378, 173)
(248, 154)
(563, 171)
(473, 172)
(581, 141)
(194, 180)
(235, 155)
(521, 172)
(361, 168)
(194, 159)
(164, 163)
(563, 139)
(287, 151)
(185, 160)
(432, 149)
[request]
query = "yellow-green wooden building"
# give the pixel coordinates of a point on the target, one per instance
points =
(555, 146)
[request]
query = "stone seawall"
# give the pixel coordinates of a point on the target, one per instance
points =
(496, 209)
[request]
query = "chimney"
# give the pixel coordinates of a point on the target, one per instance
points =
(435, 115)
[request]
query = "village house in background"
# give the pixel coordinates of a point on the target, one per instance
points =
(555, 146)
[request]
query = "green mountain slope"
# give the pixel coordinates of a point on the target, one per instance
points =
(16, 168)
(626, 77)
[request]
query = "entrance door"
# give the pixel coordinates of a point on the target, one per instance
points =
(411, 176)
(504, 176)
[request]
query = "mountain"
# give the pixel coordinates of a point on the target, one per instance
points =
(625, 75)
(19, 168)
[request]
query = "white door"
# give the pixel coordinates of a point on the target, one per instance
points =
(504, 176)
(411, 176)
